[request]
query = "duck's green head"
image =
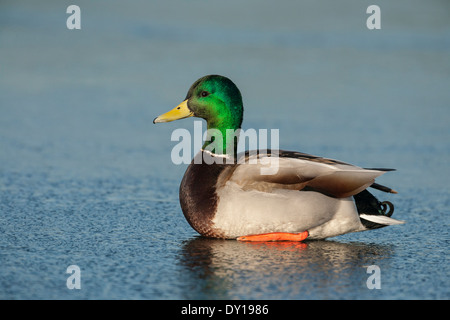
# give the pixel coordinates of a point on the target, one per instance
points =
(213, 98)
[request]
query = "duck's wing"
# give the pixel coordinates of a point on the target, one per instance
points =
(300, 171)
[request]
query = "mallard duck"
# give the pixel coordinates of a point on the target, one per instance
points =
(306, 197)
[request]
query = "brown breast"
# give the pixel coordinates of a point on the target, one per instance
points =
(198, 197)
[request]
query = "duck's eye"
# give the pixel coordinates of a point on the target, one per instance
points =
(204, 94)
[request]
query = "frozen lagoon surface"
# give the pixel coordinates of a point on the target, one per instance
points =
(86, 179)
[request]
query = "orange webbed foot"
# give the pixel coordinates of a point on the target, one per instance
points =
(275, 236)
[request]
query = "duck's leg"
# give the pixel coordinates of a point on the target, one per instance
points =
(275, 236)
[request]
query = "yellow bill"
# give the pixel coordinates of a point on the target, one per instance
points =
(179, 112)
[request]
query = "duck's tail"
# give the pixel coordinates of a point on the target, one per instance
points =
(379, 186)
(373, 213)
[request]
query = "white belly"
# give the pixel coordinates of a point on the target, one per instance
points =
(242, 213)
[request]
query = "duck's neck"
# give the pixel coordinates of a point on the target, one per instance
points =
(222, 136)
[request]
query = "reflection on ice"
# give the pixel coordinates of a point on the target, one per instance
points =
(231, 269)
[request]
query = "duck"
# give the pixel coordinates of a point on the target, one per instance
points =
(229, 195)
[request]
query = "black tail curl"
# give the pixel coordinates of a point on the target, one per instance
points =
(366, 203)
